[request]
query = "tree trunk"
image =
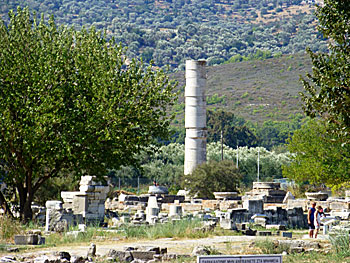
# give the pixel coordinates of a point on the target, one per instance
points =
(27, 211)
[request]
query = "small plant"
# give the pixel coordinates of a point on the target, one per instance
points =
(212, 250)
(267, 246)
(341, 242)
(245, 94)
(8, 228)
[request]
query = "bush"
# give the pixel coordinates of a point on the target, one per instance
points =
(212, 177)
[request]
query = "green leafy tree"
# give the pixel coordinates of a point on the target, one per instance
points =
(212, 177)
(327, 89)
(69, 104)
(317, 157)
(234, 130)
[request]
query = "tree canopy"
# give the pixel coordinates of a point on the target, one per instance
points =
(212, 177)
(327, 89)
(234, 129)
(169, 32)
(317, 157)
(70, 102)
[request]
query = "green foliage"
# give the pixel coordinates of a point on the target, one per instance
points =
(169, 32)
(212, 177)
(8, 228)
(235, 130)
(340, 242)
(317, 156)
(272, 133)
(327, 92)
(175, 229)
(215, 99)
(70, 104)
(165, 163)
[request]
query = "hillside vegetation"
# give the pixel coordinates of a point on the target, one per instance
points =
(257, 90)
(169, 32)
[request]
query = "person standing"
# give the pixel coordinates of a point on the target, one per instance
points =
(317, 219)
(311, 219)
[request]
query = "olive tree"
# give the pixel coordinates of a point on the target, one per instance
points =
(71, 104)
(327, 88)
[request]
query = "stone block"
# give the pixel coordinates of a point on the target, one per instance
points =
(54, 205)
(191, 207)
(226, 224)
(80, 204)
(339, 205)
(343, 215)
(277, 227)
(249, 232)
(68, 195)
(226, 205)
(120, 256)
(143, 255)
(287, 234)
(254, 206)
(86, 188)
(303, 203)
(27, 239)
(211, 204)
(101, 209)
(263, 233)
(241, 226)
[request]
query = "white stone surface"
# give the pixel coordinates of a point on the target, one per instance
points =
(195, 115)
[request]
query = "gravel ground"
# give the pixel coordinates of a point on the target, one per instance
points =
(179, 246)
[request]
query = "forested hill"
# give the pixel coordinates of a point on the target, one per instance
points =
(171, 31)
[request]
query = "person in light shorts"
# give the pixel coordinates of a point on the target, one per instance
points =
(317, 219)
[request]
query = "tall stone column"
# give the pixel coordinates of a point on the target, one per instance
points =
(195, 115)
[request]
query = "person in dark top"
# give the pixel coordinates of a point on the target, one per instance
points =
(311, 219)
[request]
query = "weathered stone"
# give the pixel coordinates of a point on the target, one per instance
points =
(92, 250)
(226, 205)
(287, 234)
(8, 259)
(200, 251)
(277, 227)
(75, 259)
(187, 207)
(254, 206)
(289, 196)
(266, 185)
(175, 210)
(143, 255)
(26, 239)
(64, 255)
(61, 226)
(303, 203)
(249, 232)
(121, 256)
(339, 205)
(318, 196)
(225, 195)
(226, 224)
(211, 204)
(263, 233)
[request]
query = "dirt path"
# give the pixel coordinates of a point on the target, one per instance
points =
(179, 246)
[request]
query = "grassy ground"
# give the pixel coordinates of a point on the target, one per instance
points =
(181, 230)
